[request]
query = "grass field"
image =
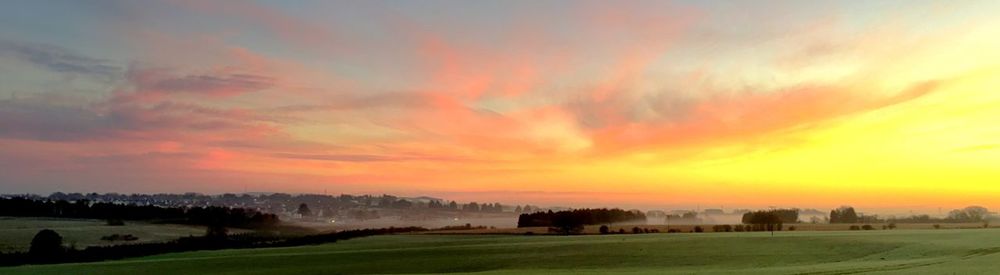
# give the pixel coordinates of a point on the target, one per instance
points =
(16, 233)
(946, 251)
(594, 229)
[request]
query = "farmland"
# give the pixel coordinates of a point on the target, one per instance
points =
(16, 233)
(961, 251)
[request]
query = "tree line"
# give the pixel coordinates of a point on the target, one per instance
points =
(572, 221)
(84, 209)
(971, 214)
(770, 220)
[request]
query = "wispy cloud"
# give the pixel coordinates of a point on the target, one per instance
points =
(61, 60)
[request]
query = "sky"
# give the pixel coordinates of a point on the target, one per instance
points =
(654, 104)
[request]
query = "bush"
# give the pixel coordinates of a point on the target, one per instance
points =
(673, 230)
(46, 246)
(621, 230)
(738, 228)
(636, 230)
(867, 227)
(791, 228)
(855, 227)
(937, 226)
(698, 229)
(892, 225)
(604, 229)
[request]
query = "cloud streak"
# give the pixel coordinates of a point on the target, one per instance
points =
(60, 60)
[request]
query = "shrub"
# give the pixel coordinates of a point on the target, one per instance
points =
(937, 226)
(636, 230)
(604, 229)
(892, 225)
(738, 228)
(698, 229)
(867, 227)
(46, 246)
(855, 227)
(791, 228)
(673, 231)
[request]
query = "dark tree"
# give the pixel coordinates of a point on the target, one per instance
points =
(769, 220)
(968, 214)
(304, 210)
(844, 214)
(471, 207)
(564, 223)
(604, 229)
(46, 246)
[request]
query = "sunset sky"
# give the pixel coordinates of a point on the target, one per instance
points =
(876, 104)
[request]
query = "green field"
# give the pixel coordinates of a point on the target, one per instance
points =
(16, 233)
(969, 251)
